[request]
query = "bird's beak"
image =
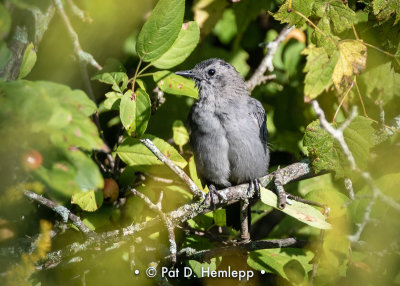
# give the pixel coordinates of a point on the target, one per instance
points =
(188, 74)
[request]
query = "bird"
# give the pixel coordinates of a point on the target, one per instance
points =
(227, 127)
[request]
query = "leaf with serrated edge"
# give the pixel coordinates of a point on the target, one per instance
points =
(302, 212)
(303, 6)
(319, 68)
(351, 62)
(182, 47)
(340, 15)
(326, 153)
(174, 84)
(383, 9)
(160, 30)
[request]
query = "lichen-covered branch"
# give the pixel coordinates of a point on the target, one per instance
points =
(294, 172)
(65, 213)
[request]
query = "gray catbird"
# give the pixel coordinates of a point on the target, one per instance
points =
(227, 127)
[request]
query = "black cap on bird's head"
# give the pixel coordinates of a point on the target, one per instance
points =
(214, 75)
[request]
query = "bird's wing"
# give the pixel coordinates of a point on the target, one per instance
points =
(257, 112)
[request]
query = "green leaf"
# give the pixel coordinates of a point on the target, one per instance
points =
(28, 61)
(326, 153)
(194, 176)
(52, 119)
(174, 84)
(383, 9)
(143, 111)
(290, 263)
(319, 68)
(380, 83)
(5, 22)
(239, 61)
(329, 40)
(180, 134)
(160, 30)
(133, 153)
(112, 100)
(127, 113)
(226, 28)
(182, 47)
(303, 6)
(352, 61)
(220, 217)
(88, 201)
(88, 176)
(118, 80)
(340, 15)
(54, 110)
(300, 211)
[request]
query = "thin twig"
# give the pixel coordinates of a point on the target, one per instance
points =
(81, 54)
(170, 227)
(65, 213)
(192, 186)
(348, 184)
(266, 64)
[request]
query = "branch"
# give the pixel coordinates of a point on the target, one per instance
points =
(62, 211)
(294, 172)
(244, 221)
(83, 57)
(205, 255)
(337, 134)
(266, 64)
(192, 186)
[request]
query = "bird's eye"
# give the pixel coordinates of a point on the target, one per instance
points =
(211, 72)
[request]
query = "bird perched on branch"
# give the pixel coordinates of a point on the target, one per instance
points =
(227, 127)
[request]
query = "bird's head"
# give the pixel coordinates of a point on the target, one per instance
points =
(216, 76)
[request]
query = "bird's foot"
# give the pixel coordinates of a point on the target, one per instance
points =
(212, 191)
(256, 185)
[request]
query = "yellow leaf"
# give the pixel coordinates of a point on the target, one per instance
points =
(352, 61)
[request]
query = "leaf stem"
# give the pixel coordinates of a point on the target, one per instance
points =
(145, 68)
(314, 26)
(380, 50)
(144, 74)
(341, 102)
(359, 95)
(136, 74)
